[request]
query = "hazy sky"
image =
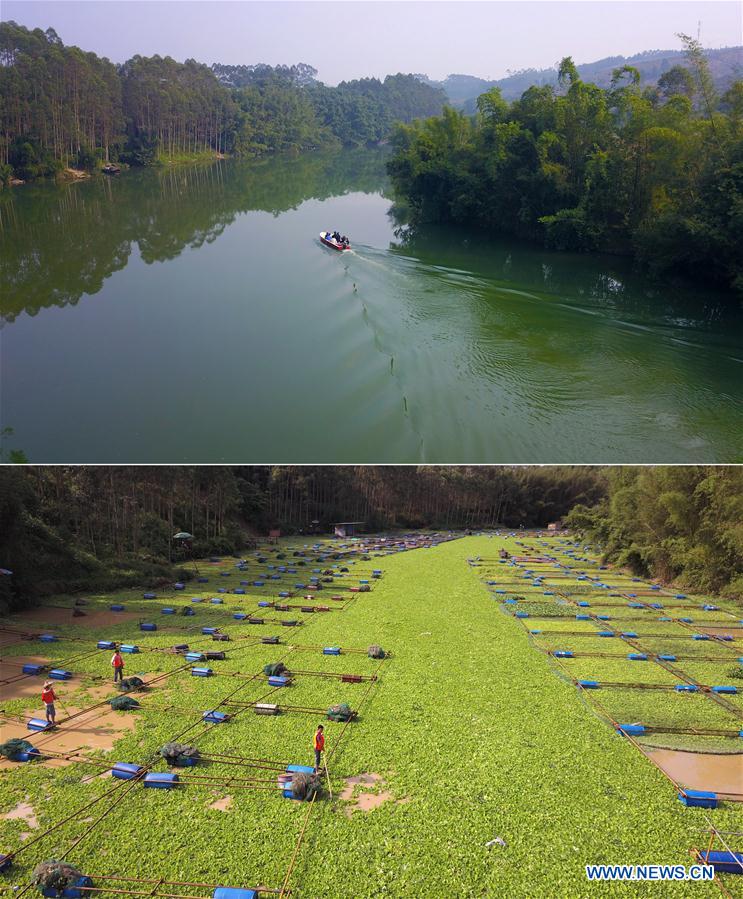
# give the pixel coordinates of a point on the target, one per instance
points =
(355, 38)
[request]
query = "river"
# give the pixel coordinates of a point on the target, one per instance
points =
(190, 314)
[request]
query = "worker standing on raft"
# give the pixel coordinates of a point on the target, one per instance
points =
(319, 746)
(48, 697)
(117, 663)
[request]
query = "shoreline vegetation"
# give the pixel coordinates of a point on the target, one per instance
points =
(649, 171)
(62, 109)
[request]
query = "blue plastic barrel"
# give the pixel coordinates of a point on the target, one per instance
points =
(201, 672)
(698, 798)
(105, 644)
(117, 607)
(168, 611)
(276, 680)
(194, 656)
(37, 724)
(148, 626)
(60, 674)
(233, 893)
(161, 780)
(331, 651)
(32, 669)
(126, 771)
(129, 648)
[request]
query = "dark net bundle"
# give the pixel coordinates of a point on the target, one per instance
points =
(54, 875)
(305, 786)
(123, 703)
(11, 748)
(340, 712)
(275, 668)
(130, 683)
(178, 754)
(375, 652)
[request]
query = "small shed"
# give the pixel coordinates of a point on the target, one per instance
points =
(347, 528)
(554, 526)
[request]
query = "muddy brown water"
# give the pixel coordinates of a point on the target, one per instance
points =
(58, 615)
(702, 770)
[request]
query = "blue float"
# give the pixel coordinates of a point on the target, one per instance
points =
(563, 654)
(105, 644)
(667, 657)
(28, 755)
(30, 668)
(589, 684)
(632, 729)
(116, 607)
(686, 688)
(179, 586)
(75, 891)
(203, 580)
(233, 893)
(582, 617)
(239, 591)
(606, 634)
(161, 780)
(629, 634)
(724, 689)
(201, 672)
(276, 680)
(209, 630)
(126, 771)
(723, 862)
(170, 611)
(239, 616)
(149, 596)
(215, 717)
(48, 638)
(522, 614)
(264, 604)
(129, 648)
(637, 656)
(60, 674)
(148, 626)
(194, 656)
(698, 798)
(37, 724)
(331, 651)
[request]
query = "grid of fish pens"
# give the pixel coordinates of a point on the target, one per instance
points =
(220, 700)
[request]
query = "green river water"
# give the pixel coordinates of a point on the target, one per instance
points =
(191, 315)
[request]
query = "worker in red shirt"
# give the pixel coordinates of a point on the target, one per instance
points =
(319, 745)
(117, 663)
(47, 697)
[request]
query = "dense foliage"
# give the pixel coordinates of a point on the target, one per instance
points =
(60, 106)
(115, 524)
(656, 172)
(674, 523)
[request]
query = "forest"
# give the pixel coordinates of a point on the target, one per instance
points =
(61, 106)
(677, 523)
(651, 171)
(65, 529)
(69, 528)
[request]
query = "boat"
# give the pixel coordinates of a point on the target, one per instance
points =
(328, 241)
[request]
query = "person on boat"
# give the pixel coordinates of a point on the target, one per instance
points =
(47, 697)
(344, 240)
